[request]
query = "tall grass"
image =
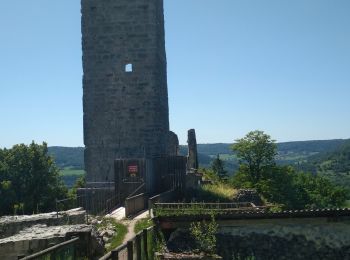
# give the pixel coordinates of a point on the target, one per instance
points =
(216, 192)
(142, 224)
(221, 190)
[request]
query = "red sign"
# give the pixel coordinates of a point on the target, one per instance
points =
(133, 169)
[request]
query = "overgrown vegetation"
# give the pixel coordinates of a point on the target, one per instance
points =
(216, 190)
(204, 235)
(222, 191)
(281, 185)
(119, 228)
(142, 224)
(188, 209)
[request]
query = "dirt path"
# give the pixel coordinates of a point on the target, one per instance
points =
(131, 225)
(119, 215)
(131, 233)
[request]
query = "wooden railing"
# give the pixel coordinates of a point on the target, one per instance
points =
(135, 204)
(65, 250)
(139, 245)
(209, 206)
(170, 209)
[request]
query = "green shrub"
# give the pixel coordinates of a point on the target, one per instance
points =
(204, 235)
(142, 224)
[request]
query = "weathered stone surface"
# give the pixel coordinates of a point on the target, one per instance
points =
(192, 162)
(39, 237)
(10, 225)
(170, 256)
(125, 112)
(273, 238)
(173, 144)
(180, 241)
(249, 195)
(298, 241)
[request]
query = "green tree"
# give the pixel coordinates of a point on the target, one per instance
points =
(29, 179)
(218, 167)
(281, 185)
(256, 152)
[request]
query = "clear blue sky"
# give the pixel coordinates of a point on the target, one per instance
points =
(233, 66)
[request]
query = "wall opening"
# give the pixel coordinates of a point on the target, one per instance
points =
(128, 67)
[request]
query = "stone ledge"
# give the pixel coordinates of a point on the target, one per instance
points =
(11, 225)
(170, 256)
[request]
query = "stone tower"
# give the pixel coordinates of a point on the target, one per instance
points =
(125, 96)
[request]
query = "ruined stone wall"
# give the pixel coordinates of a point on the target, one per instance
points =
(125, 109)
(294, 240)
(192, 162)
(25, 235)
(10, 225)
(269, 238)
(173, 144)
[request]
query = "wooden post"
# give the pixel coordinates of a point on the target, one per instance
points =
(130, 246)
(138, 246)
(145, 249)
(115, 255)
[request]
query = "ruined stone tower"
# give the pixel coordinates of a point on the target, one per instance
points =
(125, 96)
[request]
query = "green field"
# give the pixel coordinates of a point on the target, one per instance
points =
(71, 172)
(70, 175)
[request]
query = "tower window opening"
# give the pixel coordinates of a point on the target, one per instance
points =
(128, 67)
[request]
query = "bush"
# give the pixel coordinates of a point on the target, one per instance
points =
(204, 235)
(293, 190)
(142, 224)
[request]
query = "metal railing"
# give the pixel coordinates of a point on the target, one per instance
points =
(211, 206)
(65, 250)
(99, 197)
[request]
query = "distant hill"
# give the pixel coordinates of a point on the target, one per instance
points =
(288, 153)
(333, 164)
(330, 158)
(68, 157)
(294, 153)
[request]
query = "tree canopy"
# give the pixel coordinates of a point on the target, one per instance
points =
(29, 180)
(218, 167)
(256, 151)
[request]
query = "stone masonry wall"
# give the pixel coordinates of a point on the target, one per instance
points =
(24, 235)
(301, 241)
(273, 239)
(10, 225)
(125, 112)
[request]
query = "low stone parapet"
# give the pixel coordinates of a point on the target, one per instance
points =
(39, 237)
(173, 256)
(10, 225)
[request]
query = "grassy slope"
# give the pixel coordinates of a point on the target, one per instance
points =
(142, 224)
